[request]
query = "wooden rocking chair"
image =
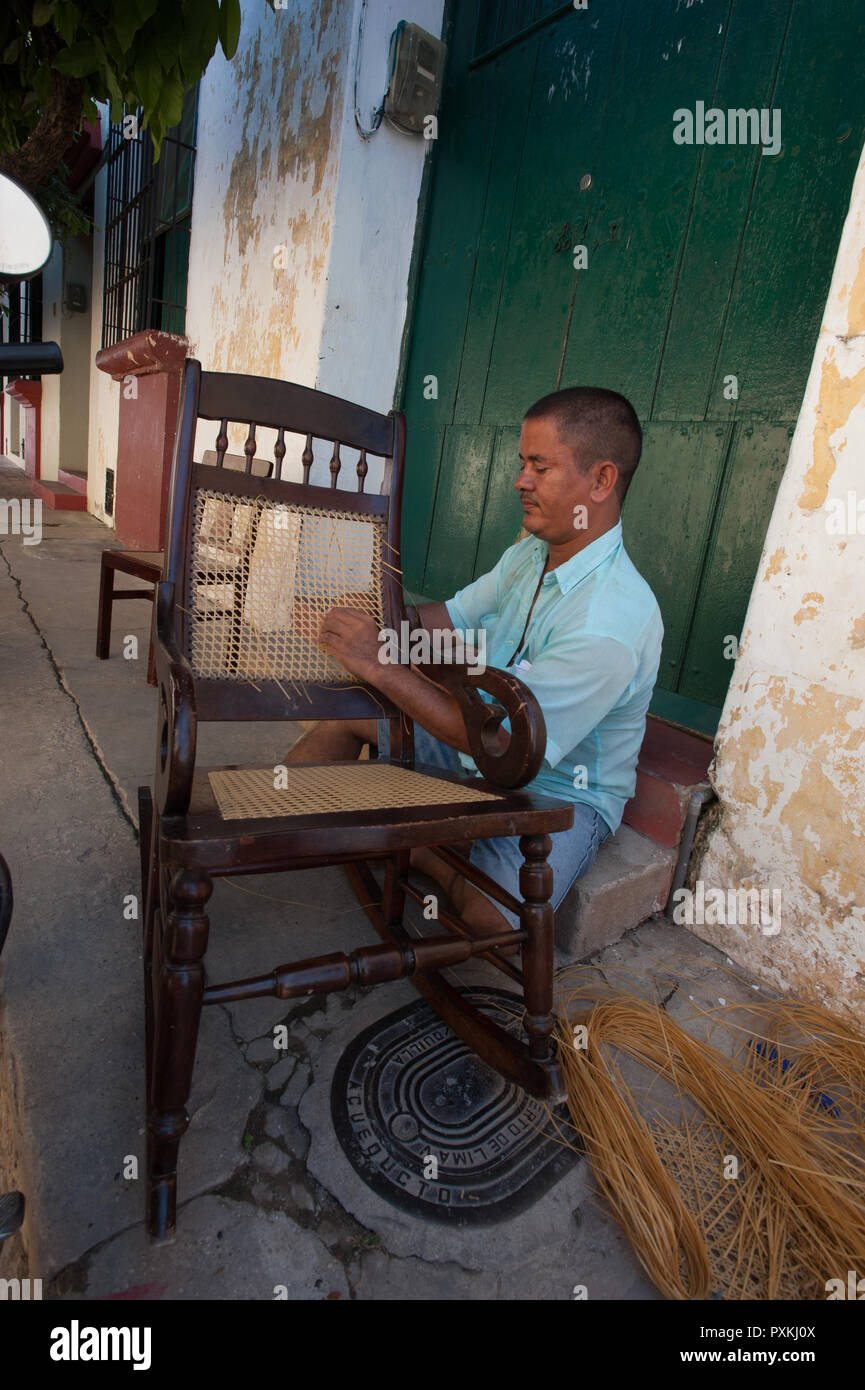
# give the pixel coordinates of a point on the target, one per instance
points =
(310, 548)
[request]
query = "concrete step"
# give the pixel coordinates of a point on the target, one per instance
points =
(59, 496)
(77, 481)
(629, 880)
(671, 764)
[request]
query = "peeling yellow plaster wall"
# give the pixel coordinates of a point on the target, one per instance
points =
(264, 192)
(856, 302)
(790, 757)
(838, 396)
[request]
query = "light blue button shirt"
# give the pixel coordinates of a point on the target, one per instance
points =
(590, 656)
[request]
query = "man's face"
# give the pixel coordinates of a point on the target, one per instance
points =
(550, 483)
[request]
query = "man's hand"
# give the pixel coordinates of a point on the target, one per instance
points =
(352, 638)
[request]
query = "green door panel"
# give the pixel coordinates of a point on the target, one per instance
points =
(711, 250)
(758, 456)
(540, 281)
(457, 517)
(503, 515)
(456, 221)
(423, 458)
(797, 211)
(513, 73)
(705, 263)
(639, 201)
(667, 519)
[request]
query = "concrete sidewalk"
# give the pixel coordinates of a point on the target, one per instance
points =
(267, 1197)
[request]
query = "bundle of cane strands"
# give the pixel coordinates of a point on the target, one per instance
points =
(735, 1173)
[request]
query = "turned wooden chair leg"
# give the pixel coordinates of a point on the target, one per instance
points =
(148, 847)
(103, 621)
(536, 917)
(178, 978)
(151, 659)
(393, 899)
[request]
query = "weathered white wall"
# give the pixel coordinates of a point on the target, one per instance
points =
(265, 178)
(52, 308)
(104, 394)
(280, 165)
(65, 396)
(376, 206)
(790, 766)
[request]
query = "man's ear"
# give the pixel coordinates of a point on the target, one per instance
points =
(604, 480)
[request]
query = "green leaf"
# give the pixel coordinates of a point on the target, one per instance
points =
(200, 37)
(79, 60)
(146, 8)
(117, 54)
(114, 92)
(229, 26)
(171, 100)
(11, 51)
(67, 18)
(148, 78)
(157, 131)
(167, 37)
(127, 22)
(42, 11)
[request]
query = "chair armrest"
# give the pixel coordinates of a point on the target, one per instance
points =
(178, 723)
(518, 763)
(520, 760)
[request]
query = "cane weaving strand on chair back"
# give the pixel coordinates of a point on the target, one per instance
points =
(253, 564)
(294, 564)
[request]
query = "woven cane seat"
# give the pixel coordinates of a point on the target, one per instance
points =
(320, 790)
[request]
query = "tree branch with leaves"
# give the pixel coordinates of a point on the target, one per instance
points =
(59, 58)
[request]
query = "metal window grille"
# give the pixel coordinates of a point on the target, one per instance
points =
(148, 223)
(25, 311)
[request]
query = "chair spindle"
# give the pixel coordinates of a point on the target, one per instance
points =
(249, 446)
(306, 458)
(279, 451)
(221, 442)
(335, 464)
(362, 470)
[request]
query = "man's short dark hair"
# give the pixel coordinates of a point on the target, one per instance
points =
(597, 424)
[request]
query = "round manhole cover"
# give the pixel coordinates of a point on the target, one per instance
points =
(433, 1129)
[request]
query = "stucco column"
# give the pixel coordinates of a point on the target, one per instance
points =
(790, 762)
(148, 367)
(28, 394)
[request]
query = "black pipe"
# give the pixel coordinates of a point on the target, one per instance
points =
(23, 359)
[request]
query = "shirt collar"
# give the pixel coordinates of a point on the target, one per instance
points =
(580, 565)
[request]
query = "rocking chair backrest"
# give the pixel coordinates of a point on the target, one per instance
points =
(257, 561)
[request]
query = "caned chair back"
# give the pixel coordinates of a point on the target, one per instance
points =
(256, 561)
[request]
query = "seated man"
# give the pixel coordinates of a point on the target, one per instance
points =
(566, 610)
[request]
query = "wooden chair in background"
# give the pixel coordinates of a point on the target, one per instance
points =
(147, 564)
(308, 548)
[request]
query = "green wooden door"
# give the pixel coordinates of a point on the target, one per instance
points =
(707, 272)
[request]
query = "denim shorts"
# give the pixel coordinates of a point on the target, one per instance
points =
(573, 851)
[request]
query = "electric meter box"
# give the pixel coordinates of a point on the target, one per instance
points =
(416, 67)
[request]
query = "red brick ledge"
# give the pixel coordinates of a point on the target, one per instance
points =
(25, 392)
(143, 354)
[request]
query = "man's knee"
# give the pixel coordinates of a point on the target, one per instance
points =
(366, 730)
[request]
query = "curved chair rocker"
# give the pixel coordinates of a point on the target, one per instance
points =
(246, 655)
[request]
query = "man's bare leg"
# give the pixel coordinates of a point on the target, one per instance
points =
(342, 740)
(481, 916)
(333, 741)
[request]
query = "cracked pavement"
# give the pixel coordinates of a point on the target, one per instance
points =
(268, 1205)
